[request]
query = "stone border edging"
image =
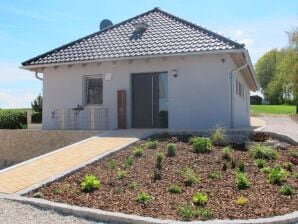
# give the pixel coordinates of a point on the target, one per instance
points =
(106, 216)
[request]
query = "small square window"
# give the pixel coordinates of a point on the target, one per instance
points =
(93, 90)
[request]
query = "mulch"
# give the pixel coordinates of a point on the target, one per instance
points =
(264, 199)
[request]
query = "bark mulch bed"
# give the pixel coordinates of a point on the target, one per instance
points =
(264, 199)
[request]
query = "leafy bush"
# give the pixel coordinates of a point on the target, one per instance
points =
(190, 176)
(90, 182)
(137, 151)
(241, 201)
(143, 198)
(241, 167)
(36, 117)
(12, 119)
(159, 159)
(288, 166)
(218, 137)
(128, 162)
(259, 151)
(151, 144)
(242, 181)
(277, 175)
(205, 213)
(171, 150)
(260, 163)
(214, 175)
(227, 151)
(186, 212)
(199, 198)
(266, 169)
(121, 174)
(175, 189)
(111, 164)
(286, 190)
(202, 145)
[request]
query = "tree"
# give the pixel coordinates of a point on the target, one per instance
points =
(37, 104)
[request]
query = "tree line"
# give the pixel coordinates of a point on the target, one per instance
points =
(277, 73)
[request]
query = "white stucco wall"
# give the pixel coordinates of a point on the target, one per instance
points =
(199, 97)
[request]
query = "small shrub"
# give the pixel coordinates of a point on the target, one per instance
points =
(260, 163)
(171, 150)
(266, 169)
(128, 162)
(218, 137)
(190, 176)
(111, 164)
(214, 175)
(143, 198)
(202, 145)
(286, 190)
(288, 166)
(38, 195)
(186, 212)
(137, 151)
(259, 151)
(121, 174)
(233, 164)
(277, 175)
(90, 183)
(175, 189)
(133, 185)
(151, 144)
(242, 181)
(224, 166)
(241, 167)
(199, 198)
(227, 151)
(12, 118)
(157, 174)
(241, 201)
(159, 159)
(205, 213)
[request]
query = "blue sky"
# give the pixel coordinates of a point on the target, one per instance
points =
(30, 27)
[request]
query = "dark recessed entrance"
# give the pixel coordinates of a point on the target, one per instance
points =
(150, 100)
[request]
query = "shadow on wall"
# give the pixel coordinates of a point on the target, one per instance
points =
(20, 145)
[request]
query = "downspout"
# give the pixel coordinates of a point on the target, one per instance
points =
(233, 73)
(36, 76)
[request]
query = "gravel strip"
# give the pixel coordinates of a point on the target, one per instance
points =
(15, 212)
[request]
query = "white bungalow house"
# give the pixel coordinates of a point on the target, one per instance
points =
(154, 70)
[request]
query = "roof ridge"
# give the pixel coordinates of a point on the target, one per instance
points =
(88, 36)
(200, 27)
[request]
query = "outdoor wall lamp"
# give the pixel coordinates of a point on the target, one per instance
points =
(175, 73)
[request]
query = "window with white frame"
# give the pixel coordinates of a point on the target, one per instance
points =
(93, 90)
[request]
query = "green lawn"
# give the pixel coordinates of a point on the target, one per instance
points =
(272, 109)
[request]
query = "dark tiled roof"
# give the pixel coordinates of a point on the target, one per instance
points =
(166, 34)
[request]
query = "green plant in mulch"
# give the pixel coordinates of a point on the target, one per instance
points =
(175, 189)
(296, 175)
(200, 198)
(242, 181)
(286, 190)
(128, 162)
(233, 164)
(260, 163)
(111, 164)
(171, 150)
(288, 166)
(159, 158)
(227, 153)
(90, 183)
(133, 185)
(151, 144)
(137, 151)
(218, 136)
(121, 174)
(224, 166)
(190, 177)
(259, 151)
(241, 167)
(143, 198)
(186, 212)
(214, 175)
(266, 169)
(201, 145)
(277, 175)
(241, 201)
(205, 213)
(38, 195)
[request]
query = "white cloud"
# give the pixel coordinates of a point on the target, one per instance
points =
(17, 100)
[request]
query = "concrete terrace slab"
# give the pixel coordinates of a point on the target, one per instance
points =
(33, 171)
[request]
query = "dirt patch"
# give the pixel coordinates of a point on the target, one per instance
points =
(264, 199)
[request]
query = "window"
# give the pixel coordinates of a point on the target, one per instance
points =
(239, 89)
(93, 90)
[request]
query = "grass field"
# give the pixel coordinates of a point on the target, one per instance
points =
(257, 110)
